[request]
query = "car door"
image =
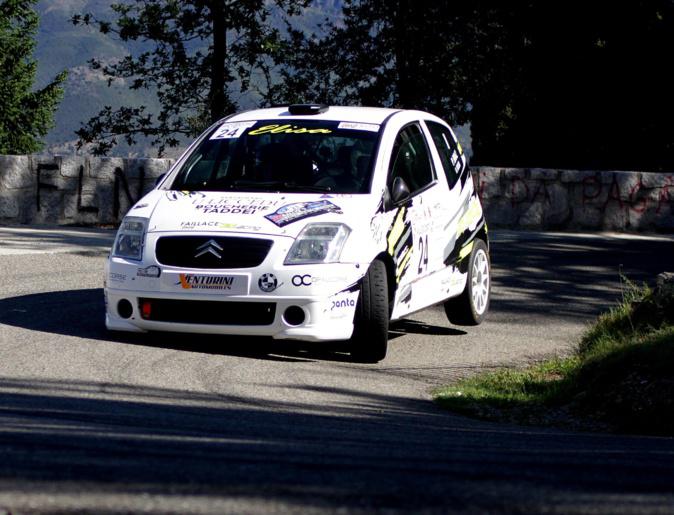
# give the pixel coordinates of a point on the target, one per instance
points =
(452, 162)
(410, 240)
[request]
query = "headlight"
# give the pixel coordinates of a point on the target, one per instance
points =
(318, 243)
(130, 238)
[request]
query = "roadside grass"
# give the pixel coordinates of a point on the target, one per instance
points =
(620, 378)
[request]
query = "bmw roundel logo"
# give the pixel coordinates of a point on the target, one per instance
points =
(267, 283)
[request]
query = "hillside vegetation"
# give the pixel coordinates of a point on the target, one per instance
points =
(620, 379)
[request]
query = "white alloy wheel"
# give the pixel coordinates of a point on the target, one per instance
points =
(472, 305)
(480, 282)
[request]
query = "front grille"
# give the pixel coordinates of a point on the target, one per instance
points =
(207, 312)
(211, 251)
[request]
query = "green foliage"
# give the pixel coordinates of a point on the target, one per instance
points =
(382, 53)
(550, 84)
(622, 376)
(25, 115)
(205, 54)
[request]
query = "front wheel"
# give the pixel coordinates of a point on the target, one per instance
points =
(370, 333)
(470, 308)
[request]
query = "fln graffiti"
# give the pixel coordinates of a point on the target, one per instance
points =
(121, 188)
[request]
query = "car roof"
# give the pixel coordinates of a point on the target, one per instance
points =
(333, 113)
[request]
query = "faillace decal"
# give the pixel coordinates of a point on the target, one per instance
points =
(299, 211)
(212, 224)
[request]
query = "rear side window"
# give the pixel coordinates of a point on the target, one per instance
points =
(453, 162)
(410, 159)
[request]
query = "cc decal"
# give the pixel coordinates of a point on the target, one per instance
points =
(301, 280)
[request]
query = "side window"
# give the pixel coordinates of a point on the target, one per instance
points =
(448, 148)
(410, 159)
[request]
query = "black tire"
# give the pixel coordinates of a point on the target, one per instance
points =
(369, 342)
(466, 309)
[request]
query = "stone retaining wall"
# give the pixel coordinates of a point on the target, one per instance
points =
(88, 190)
(73, 190)
(570, 199)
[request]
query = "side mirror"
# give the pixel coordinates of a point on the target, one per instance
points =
(400, 191)
(159, 179)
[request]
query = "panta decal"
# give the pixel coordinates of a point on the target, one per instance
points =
(399, 239)
(293, 212)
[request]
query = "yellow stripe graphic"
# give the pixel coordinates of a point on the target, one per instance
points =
(396, 230)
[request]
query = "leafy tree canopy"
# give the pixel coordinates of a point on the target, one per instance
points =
(557, 84)
(25, 115)
(204, 55)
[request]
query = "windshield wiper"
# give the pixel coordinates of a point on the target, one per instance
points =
(306, 187)
(280, 185)
(257, 185)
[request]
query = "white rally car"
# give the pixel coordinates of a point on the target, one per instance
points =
(305, 222)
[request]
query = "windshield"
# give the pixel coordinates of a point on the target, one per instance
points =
(282, 155)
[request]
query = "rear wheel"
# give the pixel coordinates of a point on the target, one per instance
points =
(472, 305)
(370, 333)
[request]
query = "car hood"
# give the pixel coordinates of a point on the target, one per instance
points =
(249, 212)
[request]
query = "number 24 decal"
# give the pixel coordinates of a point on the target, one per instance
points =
(423, 254)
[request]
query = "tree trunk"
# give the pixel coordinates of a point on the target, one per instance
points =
(402, 55)
(217, 96)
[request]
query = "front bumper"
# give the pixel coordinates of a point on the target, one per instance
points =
(324, 295)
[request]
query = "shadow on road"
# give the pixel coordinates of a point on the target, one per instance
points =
(81, 313)
(564, 275)
(78, 440)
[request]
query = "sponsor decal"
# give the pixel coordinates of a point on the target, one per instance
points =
(293, 212)
(149, 271)
(205, 282)
(308, 280)
(177, 195)
(377, 227)
(372, 127)
(234, 205)
(342, 303)
(218, 225)
(286, 129)
(268, 283)
(231, 130)
(301, 280)
(117, 278)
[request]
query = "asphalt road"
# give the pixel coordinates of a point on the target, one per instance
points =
(94, 422)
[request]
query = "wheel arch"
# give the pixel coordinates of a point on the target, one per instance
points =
(390, 274)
